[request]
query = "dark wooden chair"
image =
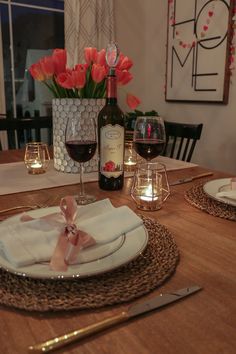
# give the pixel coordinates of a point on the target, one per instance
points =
(23, 130)
(181, 139)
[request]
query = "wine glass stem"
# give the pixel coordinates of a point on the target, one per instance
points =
(81, 180)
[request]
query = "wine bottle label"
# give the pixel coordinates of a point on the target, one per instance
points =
(111, 150)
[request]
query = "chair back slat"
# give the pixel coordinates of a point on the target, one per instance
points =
(181, 139)
(165, 148)
(38, 134)
(23, 130)
(180, 148)
(186, 149)
(173, 147)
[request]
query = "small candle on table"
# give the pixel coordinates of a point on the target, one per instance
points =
(36, 164)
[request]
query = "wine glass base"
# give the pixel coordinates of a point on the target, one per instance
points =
(85, 199)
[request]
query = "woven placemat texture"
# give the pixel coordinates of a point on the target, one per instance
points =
(146, 272)
(198, 198)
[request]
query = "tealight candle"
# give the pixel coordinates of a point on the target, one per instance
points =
(36, 158)
(130, 159)
(149, 198)
(36, 164)
(147, 190)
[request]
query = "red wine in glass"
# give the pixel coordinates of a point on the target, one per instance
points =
(81, 144)
(149, 148)
(149, 136)
(81, 151)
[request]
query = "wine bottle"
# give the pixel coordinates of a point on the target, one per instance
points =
(111, 139)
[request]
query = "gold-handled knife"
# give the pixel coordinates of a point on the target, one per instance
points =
(133, 311)
(190, 179)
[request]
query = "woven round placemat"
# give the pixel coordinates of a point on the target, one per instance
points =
(146, 272)
(198, 198)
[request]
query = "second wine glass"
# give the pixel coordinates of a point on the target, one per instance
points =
(149, 136)
(81, 146)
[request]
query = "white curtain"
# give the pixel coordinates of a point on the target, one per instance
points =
(3, 135)
(88, 23)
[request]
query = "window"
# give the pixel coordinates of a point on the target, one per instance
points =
(30, 30)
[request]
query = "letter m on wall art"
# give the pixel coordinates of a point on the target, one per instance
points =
(198, 50)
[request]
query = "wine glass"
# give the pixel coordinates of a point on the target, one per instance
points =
(149, 136)
(149, 141)
(81, 146)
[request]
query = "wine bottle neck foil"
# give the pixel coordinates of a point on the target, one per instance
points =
(111, 87)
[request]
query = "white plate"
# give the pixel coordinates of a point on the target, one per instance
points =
(112, 255)
(211, 188)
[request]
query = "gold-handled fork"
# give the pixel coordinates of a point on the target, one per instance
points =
(29, 207)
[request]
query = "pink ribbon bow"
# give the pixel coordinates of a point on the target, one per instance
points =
(71, 239)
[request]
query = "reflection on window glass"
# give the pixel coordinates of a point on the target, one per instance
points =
(35, 33)
(6, 52)
(56, 4)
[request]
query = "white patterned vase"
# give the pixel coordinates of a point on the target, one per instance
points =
(62, 109)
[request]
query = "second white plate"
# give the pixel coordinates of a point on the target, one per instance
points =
(211, 188)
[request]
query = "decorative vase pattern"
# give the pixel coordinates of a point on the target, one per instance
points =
(62, 109)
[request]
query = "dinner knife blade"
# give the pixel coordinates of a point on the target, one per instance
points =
(133, 311)
(161, 300)
(190, 179)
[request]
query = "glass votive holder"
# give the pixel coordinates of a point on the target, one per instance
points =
(36, 157)
(130, 158)
(150, 186)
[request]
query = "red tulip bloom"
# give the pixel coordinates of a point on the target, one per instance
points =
(98, 73)
(65, 79)
(79, 76)
(132, 101)
(123, 77)
(47, 66)
(81, 67)
(101, 57)
(90, 55)
(124, 62)
(59, 60)
(37, 72)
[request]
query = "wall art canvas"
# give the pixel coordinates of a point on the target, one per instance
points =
(198, 49)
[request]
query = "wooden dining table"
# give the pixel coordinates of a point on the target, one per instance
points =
(204, 323)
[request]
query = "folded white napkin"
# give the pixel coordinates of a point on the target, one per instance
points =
(25, 243)
(30, 242)
(227, 194)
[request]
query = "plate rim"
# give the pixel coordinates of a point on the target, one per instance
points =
(22, 271)
(219, 199)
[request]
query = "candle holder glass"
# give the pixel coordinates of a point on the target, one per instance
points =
(150, 186)
(130, 159)
(36, 157)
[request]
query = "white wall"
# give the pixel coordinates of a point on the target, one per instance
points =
(141, 32)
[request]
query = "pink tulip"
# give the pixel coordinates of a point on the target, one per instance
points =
(81, 67)
(65, 80)
(79, 76)
(59, 60)
(132, 101)
(124, 62)
(37, 72)
(123, 77)
(90, 55)
(98, 72)
(47, 66)
(101, 57)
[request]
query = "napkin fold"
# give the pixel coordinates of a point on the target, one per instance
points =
(227, 194)
(34, 241)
